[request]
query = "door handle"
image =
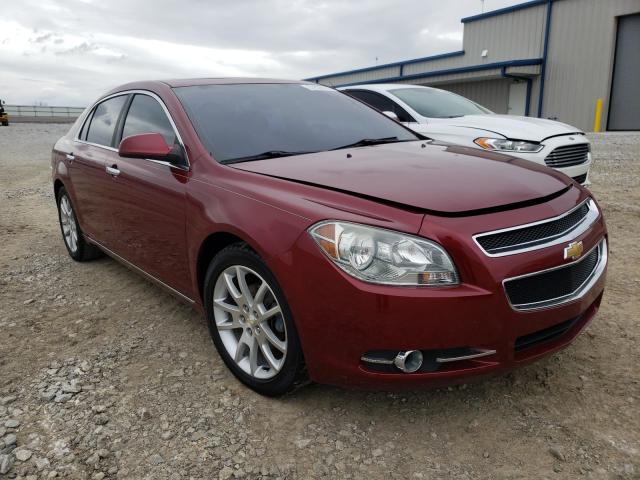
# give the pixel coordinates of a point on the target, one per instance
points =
(70, 157)
(113, 171)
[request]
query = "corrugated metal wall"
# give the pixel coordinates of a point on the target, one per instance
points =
(434, 65)
(515, 35)
(460, 77)
(493, 94)
(579, 65)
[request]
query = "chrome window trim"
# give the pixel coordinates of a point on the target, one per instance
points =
(111, 149)
(569, 234)
(166, 112)
(577, 294)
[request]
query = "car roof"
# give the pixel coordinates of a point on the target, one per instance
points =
(156, 85)
(187, 82)
(161, 85)
(383, 87)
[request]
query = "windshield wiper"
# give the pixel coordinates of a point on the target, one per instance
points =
(263, 156)
(370, 141)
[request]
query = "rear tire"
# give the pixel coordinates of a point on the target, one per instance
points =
(79, 249)
(251, 324)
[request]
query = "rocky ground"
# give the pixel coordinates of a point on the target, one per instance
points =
(104, 376)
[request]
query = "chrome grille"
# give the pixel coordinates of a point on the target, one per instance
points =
(558, 285)
(539, 234)
(568, 155)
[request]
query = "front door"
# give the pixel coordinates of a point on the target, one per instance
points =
(149, 202)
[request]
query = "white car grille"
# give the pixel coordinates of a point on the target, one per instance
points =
(568, 155)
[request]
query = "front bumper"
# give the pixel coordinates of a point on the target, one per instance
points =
(340, 318)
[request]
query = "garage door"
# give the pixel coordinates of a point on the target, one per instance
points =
(624, 108)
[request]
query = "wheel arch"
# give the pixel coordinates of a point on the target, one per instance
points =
(209, 248)
(57, 185)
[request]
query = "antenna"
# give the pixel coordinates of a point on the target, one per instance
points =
(482, 8)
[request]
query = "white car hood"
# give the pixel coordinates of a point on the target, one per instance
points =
(509, 126)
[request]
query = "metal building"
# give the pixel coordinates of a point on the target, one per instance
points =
(545, 58)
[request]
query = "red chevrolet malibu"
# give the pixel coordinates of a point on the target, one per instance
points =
(325, 241)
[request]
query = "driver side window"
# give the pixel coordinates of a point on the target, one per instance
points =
(145, 115)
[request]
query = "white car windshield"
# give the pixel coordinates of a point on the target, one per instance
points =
(434, 103)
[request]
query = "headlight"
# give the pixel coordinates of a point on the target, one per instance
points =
(504, 145)
(382, 256)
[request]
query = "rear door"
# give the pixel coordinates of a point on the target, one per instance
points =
(148, 202)
(92, 150)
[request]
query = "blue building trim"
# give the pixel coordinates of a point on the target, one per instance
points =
(545, 51)
(450, 71)
(502, 11)
(387, 65)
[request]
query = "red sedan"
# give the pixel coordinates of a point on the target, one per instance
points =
(325, 241)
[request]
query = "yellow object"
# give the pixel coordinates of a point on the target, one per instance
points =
(598, 117)
(574, 250)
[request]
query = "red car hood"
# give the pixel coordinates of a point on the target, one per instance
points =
(440, 178)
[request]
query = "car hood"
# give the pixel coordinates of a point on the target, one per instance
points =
(509, 126)
(434, 177)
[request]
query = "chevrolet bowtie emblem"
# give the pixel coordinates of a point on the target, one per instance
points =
(573, 250)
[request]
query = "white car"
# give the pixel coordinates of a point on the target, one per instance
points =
(448, 117)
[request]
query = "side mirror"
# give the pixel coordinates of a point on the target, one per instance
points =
(391, 115)
(145, 145)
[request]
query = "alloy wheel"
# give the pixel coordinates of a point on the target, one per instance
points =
(250, 322)
(69, 226)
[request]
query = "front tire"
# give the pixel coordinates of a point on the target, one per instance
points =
(79, 249)
(251, 324)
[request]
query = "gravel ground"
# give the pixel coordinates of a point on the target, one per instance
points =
(105, 376)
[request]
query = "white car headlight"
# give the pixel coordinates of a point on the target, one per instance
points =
(382, 256)
(505, 145)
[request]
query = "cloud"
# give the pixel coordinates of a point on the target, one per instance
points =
(42, 38)
(453, 36)
(74, 50)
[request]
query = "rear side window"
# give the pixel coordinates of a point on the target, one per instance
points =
(104, 120)
(381, 103)
(147, 116)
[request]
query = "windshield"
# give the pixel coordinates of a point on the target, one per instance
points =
(434, 103)
(240, 121)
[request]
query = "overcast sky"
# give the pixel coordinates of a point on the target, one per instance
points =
(68, 52)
